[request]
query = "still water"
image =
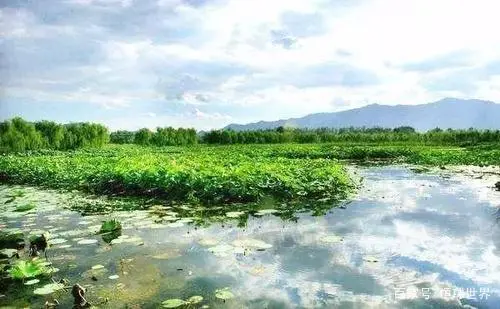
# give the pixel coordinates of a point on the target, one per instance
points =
(406, 240)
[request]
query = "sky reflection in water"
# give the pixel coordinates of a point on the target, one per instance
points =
(404, 232)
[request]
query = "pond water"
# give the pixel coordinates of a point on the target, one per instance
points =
(406, 240)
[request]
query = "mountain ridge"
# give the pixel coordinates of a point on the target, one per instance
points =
(446, 113)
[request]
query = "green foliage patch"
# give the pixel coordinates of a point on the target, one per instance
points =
(110, 226)
(191, 174)
(223, 174)
(27, 269)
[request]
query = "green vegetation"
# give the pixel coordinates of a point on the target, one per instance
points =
(400, 135)
(223, 174)
(18, 135)
(25, 207)
(21, 270)
(200, 174)
(11, 240)
(110, 230)
(161, 137)
(110, 226)
(307, 167)
(412, 154)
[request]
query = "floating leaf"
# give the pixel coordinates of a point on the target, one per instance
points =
(221, 248)
(127, 239)
(57, 241)
(234, 214)
(195, 299)
(27, 269)
(49, 288)
(7, 253)
(263, 212)
(173, 303)
(331, 239)
(224, 294)
(86, 241)
(31, 282)
(370, 259)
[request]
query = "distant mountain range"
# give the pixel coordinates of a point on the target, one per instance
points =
(446, 113)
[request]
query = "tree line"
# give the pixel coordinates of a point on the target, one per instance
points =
(403, 134)
(161, 137)
(19, 135)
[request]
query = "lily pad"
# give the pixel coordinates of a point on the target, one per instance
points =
(27, 269)
(49, 289)
(195, 299)
(173, 303)
(234, 214)
(221, 248)
(7, 253)
(31, 282)
(63, 246)
(87, 241)
(127, 239)
(370, 259)
(224, 294)
(263, 212)
(57, 241)
(331, 239)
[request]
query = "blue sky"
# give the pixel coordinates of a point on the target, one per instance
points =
(205, 64)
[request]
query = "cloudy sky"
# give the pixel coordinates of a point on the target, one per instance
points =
(207, 63)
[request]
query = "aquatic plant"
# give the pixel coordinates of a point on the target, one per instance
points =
(49, 289)
(109, 226)
(213, 175)
(25, 207)
(11, 240)
(176, 302)
(194, 175)
(8, 253)
(21, 269)
(224, 294)
(173, 303)
(39, 242)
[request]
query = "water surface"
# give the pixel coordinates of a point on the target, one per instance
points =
(406, 240)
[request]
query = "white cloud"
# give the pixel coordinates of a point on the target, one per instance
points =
(122, 3)
(210, 116)
(229, 47)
